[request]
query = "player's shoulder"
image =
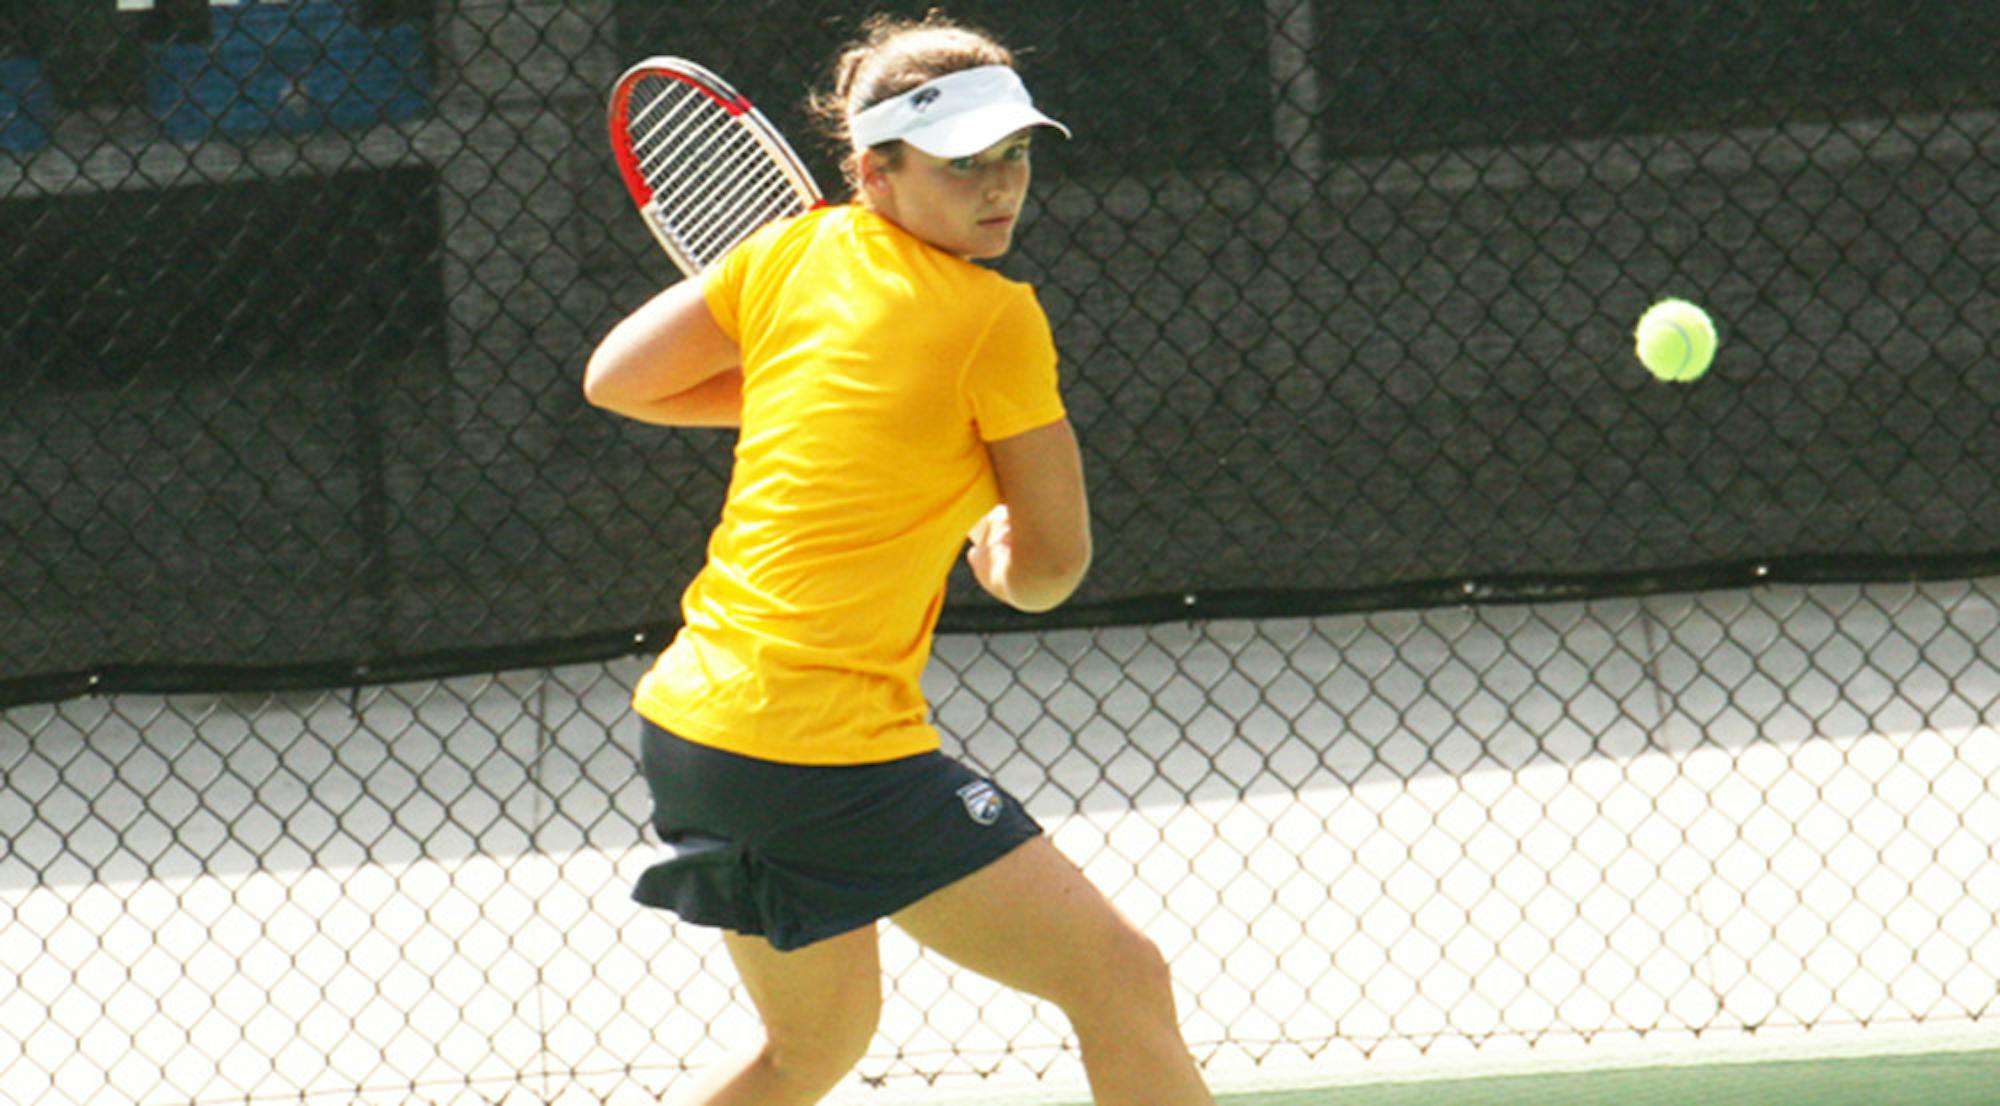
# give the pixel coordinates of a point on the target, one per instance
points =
(775, 247)
(779, 234)
(984, 287)
(1005, 296)
(875, 253)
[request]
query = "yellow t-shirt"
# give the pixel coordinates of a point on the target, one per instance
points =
(875, 369)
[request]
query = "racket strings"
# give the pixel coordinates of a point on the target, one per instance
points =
(774, 199)
(713, 180)
(692, 122)
(690, 151)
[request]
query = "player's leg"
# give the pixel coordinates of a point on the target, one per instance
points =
(1032, 921)
(819, 1004)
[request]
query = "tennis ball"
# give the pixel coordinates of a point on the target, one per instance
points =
(1675, 340)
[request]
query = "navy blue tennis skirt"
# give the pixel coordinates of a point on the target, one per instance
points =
(799, 853)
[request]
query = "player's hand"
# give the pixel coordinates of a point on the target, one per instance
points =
(992, 539)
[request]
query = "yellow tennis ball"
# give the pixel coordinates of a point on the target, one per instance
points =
(1675, 340)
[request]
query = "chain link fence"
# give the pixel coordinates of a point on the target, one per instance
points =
(1445, 685)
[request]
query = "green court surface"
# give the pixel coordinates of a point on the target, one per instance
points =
(1956, 1078)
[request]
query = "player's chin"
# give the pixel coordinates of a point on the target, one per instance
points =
(991, 241)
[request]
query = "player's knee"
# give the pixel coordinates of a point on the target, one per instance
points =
(1132, 979)
(820, 1054)
(1145, 968)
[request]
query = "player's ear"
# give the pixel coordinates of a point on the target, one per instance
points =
(870, 166)
(876, 166)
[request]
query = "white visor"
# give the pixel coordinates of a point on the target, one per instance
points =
(956, 115)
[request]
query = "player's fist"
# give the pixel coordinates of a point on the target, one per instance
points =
(992, 539)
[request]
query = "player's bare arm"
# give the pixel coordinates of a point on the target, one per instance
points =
(669, 363)
(1032, 551)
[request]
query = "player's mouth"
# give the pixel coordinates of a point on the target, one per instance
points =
(997, 222)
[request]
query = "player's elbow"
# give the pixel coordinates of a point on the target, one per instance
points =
(1046, 576)
(603, 385)
(617, 381)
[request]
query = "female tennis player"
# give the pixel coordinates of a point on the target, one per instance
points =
(894, 400)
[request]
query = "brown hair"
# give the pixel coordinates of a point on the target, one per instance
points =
(892, 56)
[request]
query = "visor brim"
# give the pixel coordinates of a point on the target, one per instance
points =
(971, 132)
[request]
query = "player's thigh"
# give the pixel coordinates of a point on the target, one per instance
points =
(822, 1000)
(1034, 922)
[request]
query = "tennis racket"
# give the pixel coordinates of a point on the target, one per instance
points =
(703, 165)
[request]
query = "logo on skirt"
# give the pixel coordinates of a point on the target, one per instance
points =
(982, 801)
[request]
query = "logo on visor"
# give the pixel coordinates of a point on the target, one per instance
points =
(982, 802)
(923, 98)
